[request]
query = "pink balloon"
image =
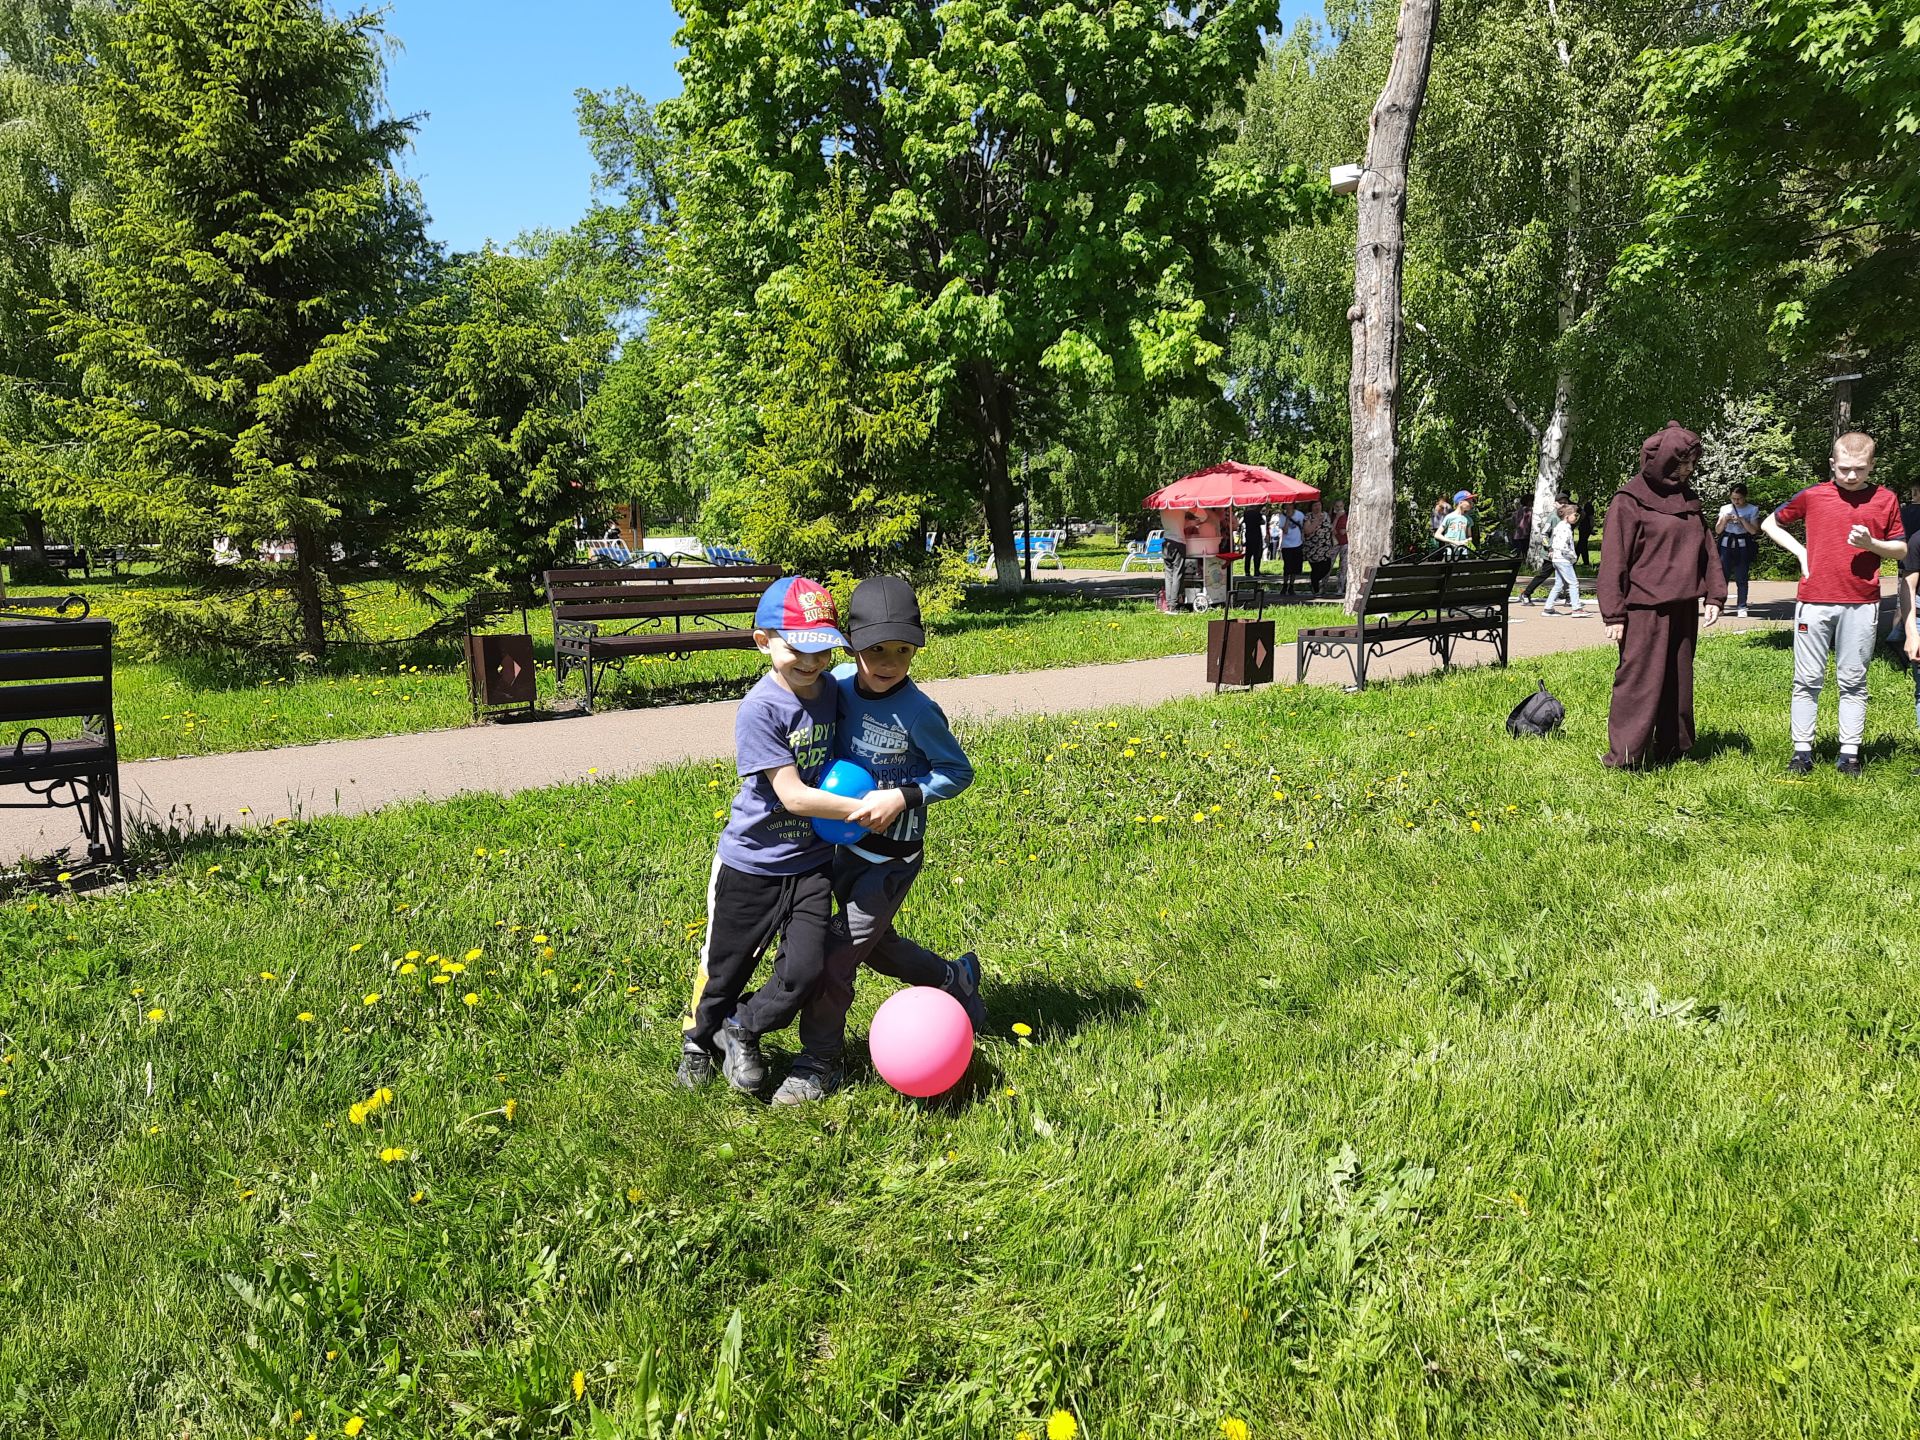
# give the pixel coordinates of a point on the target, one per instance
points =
(921, 1041)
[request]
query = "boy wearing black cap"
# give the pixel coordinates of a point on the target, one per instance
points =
(890, 727)
(771, 873)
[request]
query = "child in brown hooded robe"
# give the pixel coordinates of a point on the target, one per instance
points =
(1657, 562)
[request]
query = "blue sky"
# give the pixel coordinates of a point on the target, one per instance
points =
(498, 151)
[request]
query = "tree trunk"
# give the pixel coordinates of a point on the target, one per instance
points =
(36, 527)
(993, 415)
(1550, 467)
(1373, 391)
(306, 592)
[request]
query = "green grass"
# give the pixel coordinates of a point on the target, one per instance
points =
(1459, 1088)
(203, 708)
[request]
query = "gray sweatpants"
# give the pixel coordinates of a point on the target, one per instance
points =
(1847, 633)
(870, 894)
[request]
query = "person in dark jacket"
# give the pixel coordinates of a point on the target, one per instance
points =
(1657, 562)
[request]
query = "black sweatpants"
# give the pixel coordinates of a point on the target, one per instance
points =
(1540, 576)
(743, 914)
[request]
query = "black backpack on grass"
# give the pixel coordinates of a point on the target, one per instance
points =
(1538, 714)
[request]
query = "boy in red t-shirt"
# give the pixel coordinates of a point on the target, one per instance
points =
(1852, 525)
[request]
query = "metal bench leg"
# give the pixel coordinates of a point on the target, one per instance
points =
(590, 686)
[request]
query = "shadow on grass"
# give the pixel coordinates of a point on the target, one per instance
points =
(1711, 744)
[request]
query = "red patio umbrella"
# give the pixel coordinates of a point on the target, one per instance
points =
(1231, 484)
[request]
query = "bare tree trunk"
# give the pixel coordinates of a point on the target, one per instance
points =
(1373, 391)
(306, 591)
(1550, 467)
(993, 413)
(1556, 440)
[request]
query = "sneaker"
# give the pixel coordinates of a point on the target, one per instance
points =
(696, 1070)
(1526, 600)
(1801, 763)
(1548, 610)
(963, 983)
(810, 1079)
(740, 1058)
(1848, 765)
(1741, 613)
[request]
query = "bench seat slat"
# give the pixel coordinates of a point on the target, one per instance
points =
(77, 756)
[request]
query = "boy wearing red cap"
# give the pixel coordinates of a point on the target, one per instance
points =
(771, 873)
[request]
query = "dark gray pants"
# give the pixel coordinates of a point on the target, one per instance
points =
(862, 933)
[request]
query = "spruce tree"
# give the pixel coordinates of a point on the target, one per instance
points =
(242, 332)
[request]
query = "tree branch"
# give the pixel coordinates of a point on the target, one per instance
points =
(1513, 408)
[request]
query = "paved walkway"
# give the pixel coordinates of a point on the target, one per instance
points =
(353, 776)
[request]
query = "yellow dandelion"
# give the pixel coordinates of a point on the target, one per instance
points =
(392, 1154)
(372, 997)
(470, 999)
(268, 975)
(408, 968)
(156, 1015)
(474, 954)
(1062, 1426)
(305, 1017)
(579, 1383)
(1128, 753)
(1199, 817)
(593, 770)
(213, 869)
(1159, 820)
(416, 1197)
(356, 947)
(442, 979)
(1476, 827)
(481, 851)
(510, 1109)
(355, 1425)
(1232, 1429)
(1020, 1027)
(63, 877)
(411, 955)
(539, 939)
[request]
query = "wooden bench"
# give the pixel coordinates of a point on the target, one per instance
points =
(670, 610)
(52, 670)
(1432, 602)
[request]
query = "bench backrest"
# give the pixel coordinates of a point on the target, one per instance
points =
(56, 670)
(663, 590)
(1406, 587)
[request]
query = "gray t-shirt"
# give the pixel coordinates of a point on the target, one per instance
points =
(776, 728)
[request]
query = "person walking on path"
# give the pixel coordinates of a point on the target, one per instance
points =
(1317, 545)
(1904, 598)
(1254, 526)
(1442, 508)
(1852, 525)
(1738, 529)
(1546, 571)
(1656, 565)
(1291, 556)
(1454, 534)
(1583, 531)
(1560, 553)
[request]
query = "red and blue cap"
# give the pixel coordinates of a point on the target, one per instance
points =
(803, 611)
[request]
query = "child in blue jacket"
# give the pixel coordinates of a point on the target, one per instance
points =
(889, 727)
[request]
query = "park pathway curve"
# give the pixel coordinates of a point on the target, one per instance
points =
(350, 777)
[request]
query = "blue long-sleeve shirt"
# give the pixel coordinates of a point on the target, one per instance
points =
(903, 740)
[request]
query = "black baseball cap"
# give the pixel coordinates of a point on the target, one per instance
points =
(884, 608)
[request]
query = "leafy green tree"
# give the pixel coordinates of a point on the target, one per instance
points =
(845, 413)
(1051, 192)
(241, 332)
(1789, 153)
(509, 354)
(44, 164)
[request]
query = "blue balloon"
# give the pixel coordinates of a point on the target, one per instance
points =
(843, 777)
